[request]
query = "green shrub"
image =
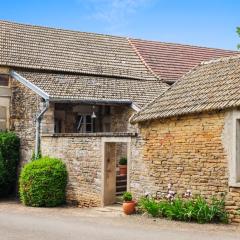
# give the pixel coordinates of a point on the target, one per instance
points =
(127, 197)
(196, 209)
(9, 159)
(150, 206)
(123, 161)
(43, 183)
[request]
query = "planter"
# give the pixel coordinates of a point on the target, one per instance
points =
(123, 170)
(129, 207)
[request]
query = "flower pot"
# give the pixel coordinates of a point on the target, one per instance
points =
(129, 207)
(123, 170)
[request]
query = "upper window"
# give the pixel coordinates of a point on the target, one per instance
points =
(85, 124)
(4, 80)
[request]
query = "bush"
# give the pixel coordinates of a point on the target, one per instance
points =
(127, 197)
(43, 183)
(9, 159)
(196, 209)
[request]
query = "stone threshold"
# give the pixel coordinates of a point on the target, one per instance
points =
(100, 134)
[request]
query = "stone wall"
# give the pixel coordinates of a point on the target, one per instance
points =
(83, 158)
(187, 152)
(23, 108)
(120, 119)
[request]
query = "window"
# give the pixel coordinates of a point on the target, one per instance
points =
(4, 80)
(3, 118)
(85, 124)
(237, 151)
(58, 126)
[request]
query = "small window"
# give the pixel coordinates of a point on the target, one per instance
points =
(4, 80)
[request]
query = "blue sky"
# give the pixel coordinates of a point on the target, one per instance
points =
(209, 23)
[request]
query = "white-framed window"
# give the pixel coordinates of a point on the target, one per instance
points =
(231, 142)
(85, 123)
(237, 156)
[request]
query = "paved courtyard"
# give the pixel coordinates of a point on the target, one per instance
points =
(22, 223)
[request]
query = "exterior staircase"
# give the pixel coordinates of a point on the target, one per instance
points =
(121, 185)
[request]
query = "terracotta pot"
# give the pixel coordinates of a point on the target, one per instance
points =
(123, 169)
(129, 207)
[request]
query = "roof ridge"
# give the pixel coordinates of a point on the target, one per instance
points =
(220, 59)
(59, 28)
(183, 44)
(142, 59)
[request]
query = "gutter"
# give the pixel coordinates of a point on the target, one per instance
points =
(38, 124)
(39, 117)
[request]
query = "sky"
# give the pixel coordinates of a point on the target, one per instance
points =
(210, 23)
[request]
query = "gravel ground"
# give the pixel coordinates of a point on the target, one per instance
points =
(18, 222)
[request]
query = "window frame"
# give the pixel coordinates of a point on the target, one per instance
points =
(231, 141)
(85, 123)
(8, 77)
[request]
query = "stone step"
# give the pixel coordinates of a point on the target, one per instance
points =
(121, 177)
(121, 189)
(121, 183)
(119, 194)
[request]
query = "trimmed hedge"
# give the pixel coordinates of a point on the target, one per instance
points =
(43, 183)
(9, 159)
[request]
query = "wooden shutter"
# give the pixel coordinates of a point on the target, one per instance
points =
(3, 118)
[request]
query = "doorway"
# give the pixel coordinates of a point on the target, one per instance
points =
(115, 183)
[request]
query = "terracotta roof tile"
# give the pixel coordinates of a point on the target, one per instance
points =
(212, 85)
(36, 47)
(171, 61)
(98, 88)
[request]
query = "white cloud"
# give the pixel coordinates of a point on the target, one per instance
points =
(115, 14)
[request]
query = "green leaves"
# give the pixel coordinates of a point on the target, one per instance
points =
(9, 159)
(127, 197)
(43, 183)
(238, 32)
(196, 209)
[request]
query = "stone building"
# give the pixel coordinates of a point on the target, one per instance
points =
(190, 136)
(71, 94)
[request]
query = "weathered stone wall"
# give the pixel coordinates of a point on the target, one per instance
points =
(187, 152)
(23, 108)
(83, 158)
(120, 119)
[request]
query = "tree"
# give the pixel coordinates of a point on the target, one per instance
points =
(238, 32)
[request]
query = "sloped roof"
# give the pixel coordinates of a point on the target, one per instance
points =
(171, 61)
(35, 47)
(212, 85)
(99, 88)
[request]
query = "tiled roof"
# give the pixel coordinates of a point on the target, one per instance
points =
(171, 61)
(212, 85)
(35, 47)
(95, 88)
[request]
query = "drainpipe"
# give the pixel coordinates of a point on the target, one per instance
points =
(38, 124)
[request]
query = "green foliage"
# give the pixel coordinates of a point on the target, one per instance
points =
(9, 159)
(123, 161)
(43, 182)
(127, 197)
(150, 206)
(196, 209)
(238, 32)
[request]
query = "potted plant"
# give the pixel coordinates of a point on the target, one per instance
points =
(128, 203)
(123, 166)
